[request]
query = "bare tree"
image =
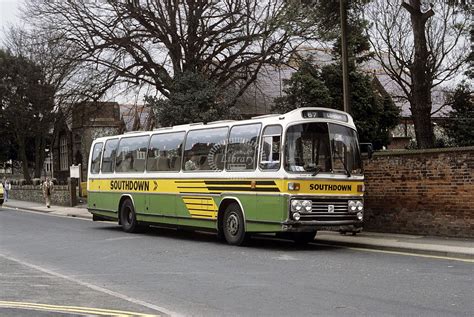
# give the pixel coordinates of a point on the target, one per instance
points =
(152, 41)
(69, 81)
(73, 79)
(420, 46)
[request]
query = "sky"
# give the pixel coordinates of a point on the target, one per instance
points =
(8, 13)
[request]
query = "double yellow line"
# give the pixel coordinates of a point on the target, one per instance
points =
(71, 309)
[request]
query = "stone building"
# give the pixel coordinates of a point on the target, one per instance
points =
(75, 133)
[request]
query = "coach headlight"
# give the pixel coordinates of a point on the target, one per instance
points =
(355, 205)
(301, 205)
(351, 205)
(307, 205)
(296, 205)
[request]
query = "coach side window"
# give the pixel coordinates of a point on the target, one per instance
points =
(109, 156)
(96, 156)
(270, 149)
(131, 154)
(205, 149)
(164, 152)
(242, 147)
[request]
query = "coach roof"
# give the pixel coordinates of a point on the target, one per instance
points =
(292, 116)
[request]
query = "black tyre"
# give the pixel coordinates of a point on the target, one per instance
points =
(233, 226)
(303, 238)
(128, 218)
(221, 235)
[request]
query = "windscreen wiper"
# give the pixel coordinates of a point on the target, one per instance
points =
(315, 169)
(343, 164)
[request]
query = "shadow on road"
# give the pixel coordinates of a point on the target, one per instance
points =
(257, 241)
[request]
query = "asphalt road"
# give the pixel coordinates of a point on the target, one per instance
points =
(67, 262)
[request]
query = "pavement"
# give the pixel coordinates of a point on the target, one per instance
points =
(414, 244)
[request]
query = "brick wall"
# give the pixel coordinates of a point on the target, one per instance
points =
(60, 195)
(427, 192)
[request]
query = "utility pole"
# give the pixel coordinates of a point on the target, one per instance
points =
(345, 60)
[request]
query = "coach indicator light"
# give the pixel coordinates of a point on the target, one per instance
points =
(293, 186)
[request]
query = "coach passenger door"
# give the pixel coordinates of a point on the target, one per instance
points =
(269, 200)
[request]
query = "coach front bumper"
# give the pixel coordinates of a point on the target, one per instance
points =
(315, 213)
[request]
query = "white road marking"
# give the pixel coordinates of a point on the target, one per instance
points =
(123, 238)
(285, 257)
(94, 287)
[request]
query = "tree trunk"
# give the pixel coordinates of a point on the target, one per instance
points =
(39, 155)
(24, 159)
(422, 121)
(421, 77)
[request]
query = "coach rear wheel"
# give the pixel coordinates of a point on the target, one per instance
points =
(128, 218)
(234, 225)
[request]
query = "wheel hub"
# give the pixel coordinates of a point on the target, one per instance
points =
(233, 224)
(129, 216)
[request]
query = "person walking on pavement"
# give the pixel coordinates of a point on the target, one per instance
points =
(1, 194)
(6, 188)
(47, 191)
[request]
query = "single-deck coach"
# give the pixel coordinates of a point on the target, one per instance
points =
(289, 173)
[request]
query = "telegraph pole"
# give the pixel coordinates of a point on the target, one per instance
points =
(345, 60)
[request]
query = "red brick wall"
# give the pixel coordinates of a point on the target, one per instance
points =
(429, 192)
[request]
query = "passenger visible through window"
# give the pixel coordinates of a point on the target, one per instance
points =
(205, 149)
(131, 154)
(109, 156)
(164, 152)
(241, 152)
